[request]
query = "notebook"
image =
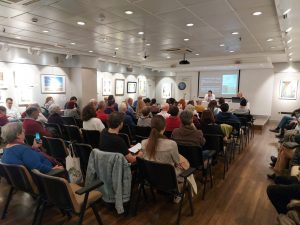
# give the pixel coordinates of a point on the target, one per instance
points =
(135, 148)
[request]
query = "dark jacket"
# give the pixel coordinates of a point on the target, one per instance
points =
(55, 118)
(229, 118)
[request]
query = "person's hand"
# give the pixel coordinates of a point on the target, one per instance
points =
(37, 145)
(140, 153)
(57, 167)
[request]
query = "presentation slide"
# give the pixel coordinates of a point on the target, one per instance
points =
(222, 84)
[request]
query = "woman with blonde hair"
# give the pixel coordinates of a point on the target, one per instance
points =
(139, 108)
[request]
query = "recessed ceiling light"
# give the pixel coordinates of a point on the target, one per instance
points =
(286, 11)
(18, 37)
(222, 45)
(290, 54)
(141, 33)
(235, 33)
(231, 51)
(256, 13)
(270, 39)
(45, 31)
(189, 24)
(289, 41)
(289, 29)
(128, 12)
(91, 51)
(116, 48)
(81, 23)
(73, 43)
(186, 39)
(272, 47)
(290, 59)
(114, 56)
(290, 47)
(197, 54)
(168, 57)
(148, 44)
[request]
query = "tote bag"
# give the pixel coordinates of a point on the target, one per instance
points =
(73, 167)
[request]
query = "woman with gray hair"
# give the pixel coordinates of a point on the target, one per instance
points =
(55, 116)
(18, 153)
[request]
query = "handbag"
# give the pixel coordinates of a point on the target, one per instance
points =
(73, 166)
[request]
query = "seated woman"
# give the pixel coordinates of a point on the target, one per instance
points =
(100, 112)
(145, 119)
(173, 120)
(16, 152)
(208, 125)
(213, 106)
(48, 102)
(54, 115)
(90, 120)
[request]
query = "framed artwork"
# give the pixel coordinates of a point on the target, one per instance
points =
(288, 89)
(106, 87)
(119, 87)
(131, 87)
(53, 84)
(142, 87)
(166, 90)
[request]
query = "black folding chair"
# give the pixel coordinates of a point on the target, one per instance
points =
(29, 139)
(83, 151)
(91, 137)
(127, 130)
(125, 138)
(3, 174)
(68, 120)
(73, 133)
(54, 129)
(79, 122)
(56, 148)
(162, 177)
(168, 134)
(142, 133)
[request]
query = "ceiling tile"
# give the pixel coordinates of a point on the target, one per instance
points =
(159, 6)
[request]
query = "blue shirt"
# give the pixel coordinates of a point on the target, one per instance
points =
(25, 156)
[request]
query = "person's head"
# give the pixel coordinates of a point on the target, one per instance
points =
(181, 104)
(239, 94)
(140, 98)
(123, 107)
(209, 93)
(221, 100)
(199, 102)
(171, 101)
(12, 132)
(101, 105)
(207, 117)
(73, 99)
(147, 101)
(88, 112)
(224, 107)
(2, 110)
(115, 120)
(146, 111)
(110, 100)
(94, 103)
(153, 101)
(70, 105)
(49, 99)
(165, 107)
(9, 102)
(173, 111)
(191, 102)
(54, 109)
(186, 117)
(212, 105)
(140, 106)
(32, 112)
(158, 126)
(111, 97)
(243, 102)
(36, 105)
(190, 108)
(130, 101)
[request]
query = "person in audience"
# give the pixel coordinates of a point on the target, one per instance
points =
(181, 105)
(49, 101)
(3, 117)
(18, 153)
(72, 99)
(173, 120)
(221, 101)
(208, 125)
(71, 110)
(145, 119)
(55, 117)
(147, 101)
(225, 116)
(130, 110)
(285, 120)
(191, 102)
(213, 106)
(209, 96)
(242, 110)
(128, 120)
(188, 134)
(136, 102)
(100, 112)
(31, 125)
(90, 120)
(112, 99)
(199, 107)
(12, 113)
(191, 108)
(139, 108)
(154, 108)
(171, 101)
(41, 118)
(111, 142)
(164, 110)
(94, 103)
(241, 96)
(111, 105)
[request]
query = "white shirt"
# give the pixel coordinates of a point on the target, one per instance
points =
(13, 114)
(208, 99)
(93, 124)
(42, 118)
(164, 114)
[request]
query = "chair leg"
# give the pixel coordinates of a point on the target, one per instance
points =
(98, 218)
(7, 203)
(204, 185)
(37, 211)
(181, 201)
(211, 177)
(39, 219)
(140, 189)
(83, 208)
(189, 190)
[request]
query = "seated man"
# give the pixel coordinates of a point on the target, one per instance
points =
(225, 116)
(285, 120)
(12, 113)
(209, 96)
(127, 118)
(188, 134)
(243, 110)
(111, 142)
(164, 110)
(145, 119)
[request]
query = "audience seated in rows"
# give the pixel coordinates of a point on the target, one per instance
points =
(242, 110)
(145, 119)
(213, 106)
(153, 106)
(3, 117)
(173, 120)
(111, 142)
(71, 110)
(164, 110)
(54, 115)
(12, 112)
(188, 134)
(225, 116)
(100, 112)
(18, 153)
(208, 125)
(72, 99)
(128, 120)
(90, 120)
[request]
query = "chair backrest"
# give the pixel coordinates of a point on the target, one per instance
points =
(125, 138)
(69, 120)
(58, 191)
(142, 133)
(79, 122)
(126, 130)
(73, 133)
(20, 178)
(54, 129)
(56, 148)
(91, 137)
(83, 151)
(193, 154)
(29, 138)
(168, 134)
(4, 174)
(213, 142)
(159, 175)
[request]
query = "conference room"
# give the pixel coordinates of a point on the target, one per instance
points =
(145, 61)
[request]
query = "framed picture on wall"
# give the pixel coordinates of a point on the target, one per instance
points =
(288, 89)
(53, 84)
(142, 87)
(106, 87)
(119, 87)
(166, 90)
(131, 87)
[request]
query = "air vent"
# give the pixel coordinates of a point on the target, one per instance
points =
(178, 50)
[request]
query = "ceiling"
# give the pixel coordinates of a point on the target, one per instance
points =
(109, 32)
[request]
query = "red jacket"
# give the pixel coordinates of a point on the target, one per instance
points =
(172, 122)
(31, 127)
(102, 116)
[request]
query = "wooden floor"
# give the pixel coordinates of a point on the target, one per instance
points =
(240, 199)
